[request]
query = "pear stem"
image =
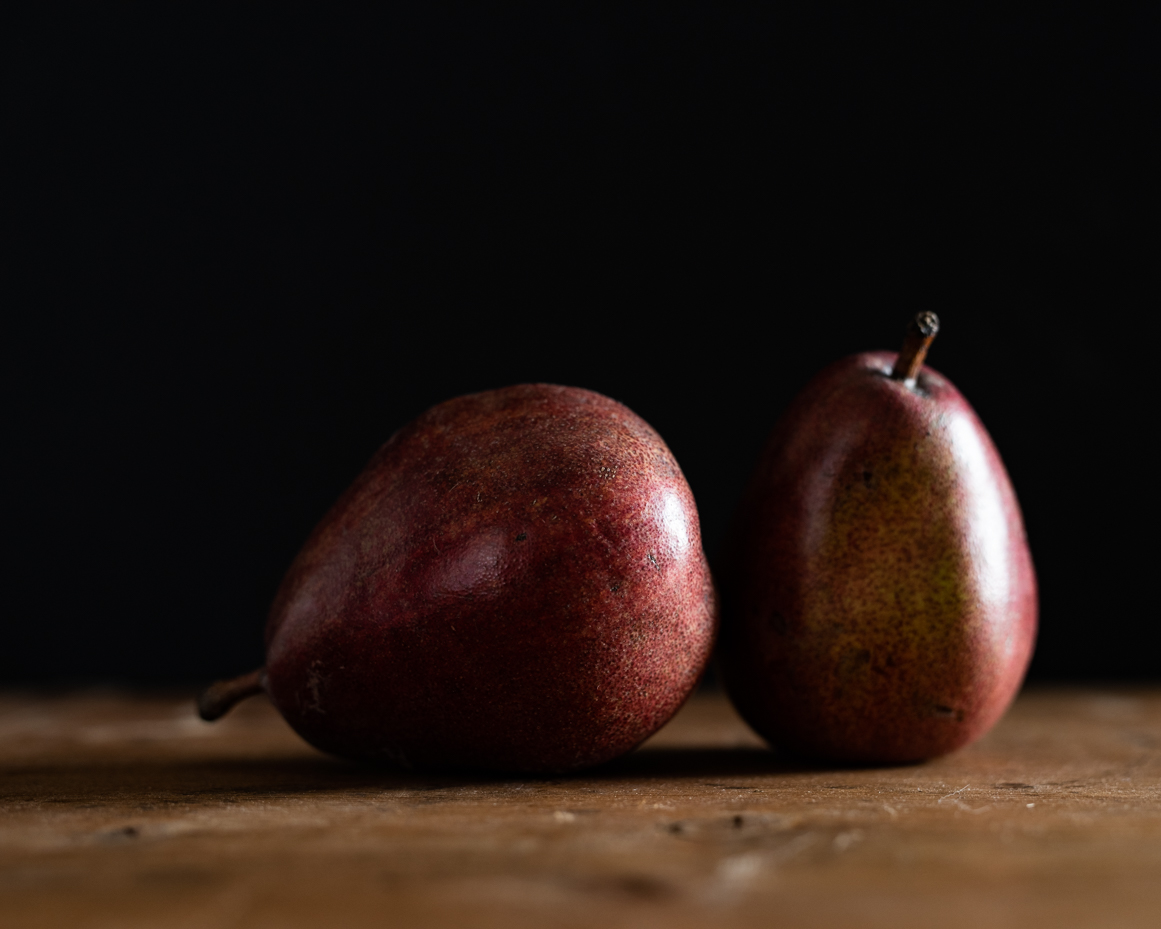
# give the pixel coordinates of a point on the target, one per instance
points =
(921, 332)
(220, 696)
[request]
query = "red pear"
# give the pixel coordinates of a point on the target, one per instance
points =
(879, 597)
(515, 581)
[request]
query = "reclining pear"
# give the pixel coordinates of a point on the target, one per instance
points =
(515, 582)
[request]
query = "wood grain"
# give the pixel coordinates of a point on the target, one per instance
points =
(123, 810)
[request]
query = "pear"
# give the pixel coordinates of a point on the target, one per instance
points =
(516, 582)
(879, 598)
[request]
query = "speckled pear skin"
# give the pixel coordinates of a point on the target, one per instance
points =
(879, 597)
(515, 582)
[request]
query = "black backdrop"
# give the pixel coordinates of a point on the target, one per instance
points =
(248, 245)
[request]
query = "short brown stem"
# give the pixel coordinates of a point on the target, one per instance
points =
(921, 331)
(220, 696)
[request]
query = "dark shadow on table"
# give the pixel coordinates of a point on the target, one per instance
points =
(224, 779)
(704, 762)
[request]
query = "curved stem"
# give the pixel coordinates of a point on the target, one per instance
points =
(921, 332)
(220, 696)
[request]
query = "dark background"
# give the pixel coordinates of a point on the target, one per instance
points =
(245, 246)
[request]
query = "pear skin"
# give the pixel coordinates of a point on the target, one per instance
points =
(515, 582)
(879, 598)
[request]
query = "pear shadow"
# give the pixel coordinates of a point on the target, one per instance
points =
(221, 780)
(236, 780)
(741, 761)
(702, 762)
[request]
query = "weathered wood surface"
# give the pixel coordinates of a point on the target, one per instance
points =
(127, 811)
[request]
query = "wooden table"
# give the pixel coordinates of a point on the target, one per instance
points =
(123, 810)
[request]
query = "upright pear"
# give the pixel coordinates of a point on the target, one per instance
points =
(879, 599)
